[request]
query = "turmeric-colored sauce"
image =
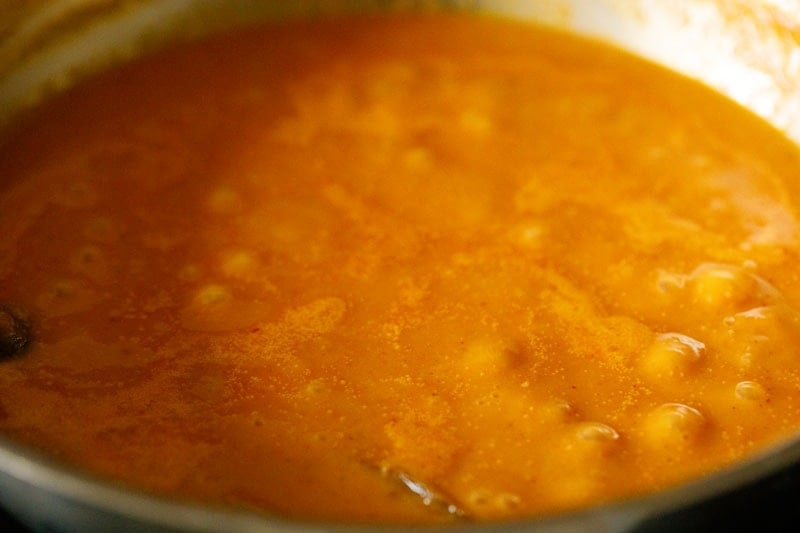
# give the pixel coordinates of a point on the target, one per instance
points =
(410, 270)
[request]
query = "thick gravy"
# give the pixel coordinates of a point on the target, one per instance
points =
(411, 269)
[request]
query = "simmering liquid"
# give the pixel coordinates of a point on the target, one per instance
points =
(417, 269)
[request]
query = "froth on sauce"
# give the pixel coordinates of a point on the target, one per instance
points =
(409, 270)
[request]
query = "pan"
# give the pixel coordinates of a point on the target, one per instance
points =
(749, 51)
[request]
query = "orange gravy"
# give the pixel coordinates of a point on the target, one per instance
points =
(411, 270)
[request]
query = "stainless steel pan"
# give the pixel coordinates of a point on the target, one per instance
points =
(748, 50)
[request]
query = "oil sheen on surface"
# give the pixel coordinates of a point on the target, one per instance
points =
(410, 270)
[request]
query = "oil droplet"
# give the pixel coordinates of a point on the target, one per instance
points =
(224, 200)
(750, 391)
(597, 432)
(240, 264)
(673, 424)
(671, 355)
(720, 286)
(667, 282)
(212, 295)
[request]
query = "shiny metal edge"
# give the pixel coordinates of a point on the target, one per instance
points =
(73, 500)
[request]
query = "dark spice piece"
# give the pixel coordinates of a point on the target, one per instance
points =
(15, 333)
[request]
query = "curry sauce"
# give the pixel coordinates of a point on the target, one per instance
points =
(414, 269)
